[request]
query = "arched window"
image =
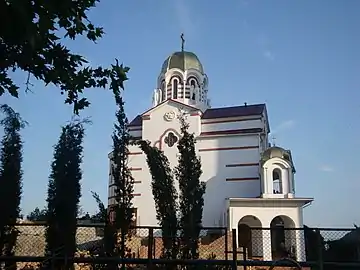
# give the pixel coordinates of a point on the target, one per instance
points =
(175, 88)
(193, 86)
(277, 181)
(163, 91)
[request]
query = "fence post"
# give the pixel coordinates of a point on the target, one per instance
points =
(226, 244)
(150, 247)
(320, 250)
(234, 249)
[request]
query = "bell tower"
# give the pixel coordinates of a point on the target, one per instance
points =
(277, 173)
(182, 78)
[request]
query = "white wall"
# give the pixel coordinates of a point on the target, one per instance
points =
(265, 211)
(234, 123)
(229, 157)
(136, 132)
(217, 155)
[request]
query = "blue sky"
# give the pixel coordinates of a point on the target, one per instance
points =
(300, 57)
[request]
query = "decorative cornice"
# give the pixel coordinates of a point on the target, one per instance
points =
(229, 148)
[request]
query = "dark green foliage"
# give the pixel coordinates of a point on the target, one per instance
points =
(37, 215)
(108, 242)
(121, 176)
(64, 192)
(165, 197)
(187, 173)
(345, 249)
(32, 40)
(85, 217)
(10, 179)
(101, 215)
(314, 244)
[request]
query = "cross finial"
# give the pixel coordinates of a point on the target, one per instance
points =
(273, 140)
(182, 41)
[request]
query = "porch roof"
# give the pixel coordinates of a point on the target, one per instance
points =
(268, 202)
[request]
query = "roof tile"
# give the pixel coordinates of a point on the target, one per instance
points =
(235, 111)
(137, 121)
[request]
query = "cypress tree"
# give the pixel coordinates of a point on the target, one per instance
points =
(191, 201)
(64, 192)
(101, 215)
(165, 196)
(122, 178)
(10, 179)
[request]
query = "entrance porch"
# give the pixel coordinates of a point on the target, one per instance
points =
(268, 229)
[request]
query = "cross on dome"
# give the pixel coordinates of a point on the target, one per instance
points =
(182, 42)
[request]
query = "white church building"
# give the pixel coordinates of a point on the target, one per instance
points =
(248, 182)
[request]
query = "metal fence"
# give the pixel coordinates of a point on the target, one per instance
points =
(31, 240)
(322, 248)
(251, 248)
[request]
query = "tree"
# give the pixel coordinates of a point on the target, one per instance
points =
(101, 215)
(108, 242)
(10, 178)
(165, 197)
(191, 201)
(85, 217)
(64, 192)
(121, 175)
(32, 40)
(37, 215)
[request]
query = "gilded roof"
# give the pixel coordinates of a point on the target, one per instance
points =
(183, 61)
(275, 151)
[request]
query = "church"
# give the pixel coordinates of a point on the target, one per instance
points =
(249, 183)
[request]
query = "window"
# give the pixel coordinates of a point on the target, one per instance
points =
(163, 91)
(193, 85)
(175, 88)
(277, 182)
(112, 215)
(171, 139)
(134, 217)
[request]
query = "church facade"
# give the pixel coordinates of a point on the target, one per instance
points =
(248, 182)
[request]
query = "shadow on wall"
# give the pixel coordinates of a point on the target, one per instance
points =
(218, 189)
(214, 204)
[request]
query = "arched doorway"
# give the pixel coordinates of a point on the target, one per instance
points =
(250, 236)
(282, 237)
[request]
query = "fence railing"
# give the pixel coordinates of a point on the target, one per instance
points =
(315, 248)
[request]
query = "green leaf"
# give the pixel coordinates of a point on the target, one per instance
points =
(13, 90)
(37, 47)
